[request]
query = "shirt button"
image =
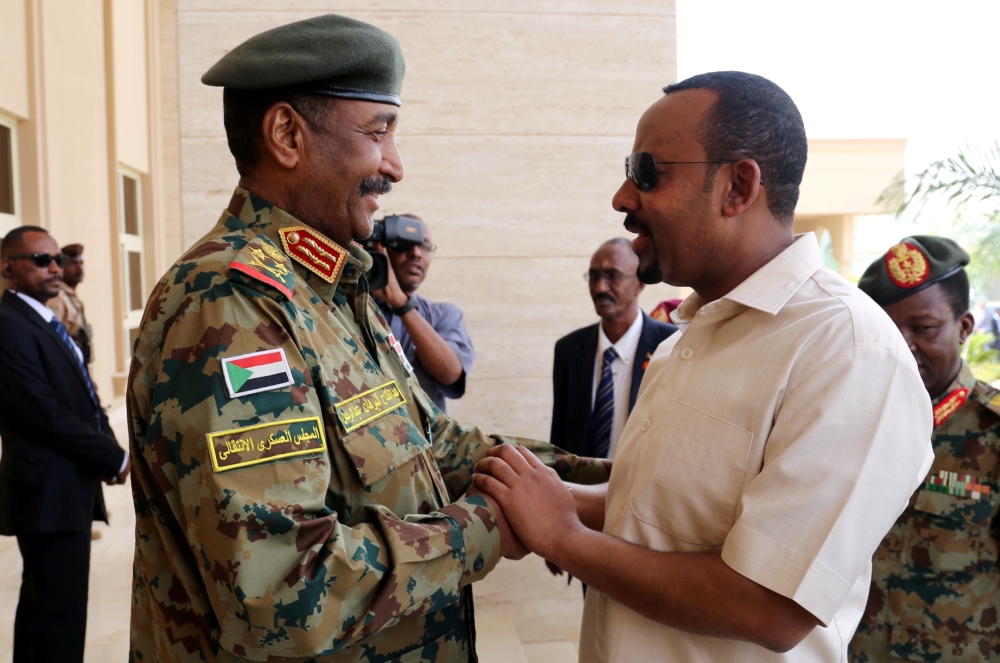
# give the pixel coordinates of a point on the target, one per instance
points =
(645, 425)
(350, 271)
(687, 353)
(479, 564)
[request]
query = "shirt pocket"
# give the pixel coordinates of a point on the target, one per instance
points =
(689, 480)
(951, 531)
(383, 445)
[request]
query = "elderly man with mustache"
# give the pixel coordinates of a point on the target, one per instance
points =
(598, 369)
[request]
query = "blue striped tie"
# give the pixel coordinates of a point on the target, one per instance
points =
(64, 335)
(599, 436)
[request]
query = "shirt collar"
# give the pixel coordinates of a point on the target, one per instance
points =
(770, 287)
(626, 345)
(39, 307)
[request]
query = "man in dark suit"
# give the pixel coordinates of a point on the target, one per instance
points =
(597, 369)
(57, 447)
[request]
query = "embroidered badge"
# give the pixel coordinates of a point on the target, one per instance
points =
(949, 405)
(962, 485)
(398, 348)
(316, 253)
(256, 372)
(367, 406)
(266, 443)
(261, 261)
(907, 265)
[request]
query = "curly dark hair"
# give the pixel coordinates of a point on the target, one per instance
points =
(754, 119)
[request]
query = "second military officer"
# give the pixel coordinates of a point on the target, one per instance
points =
(298, 497)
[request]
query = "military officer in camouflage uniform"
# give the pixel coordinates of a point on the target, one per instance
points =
(935, 588)
(298, 496)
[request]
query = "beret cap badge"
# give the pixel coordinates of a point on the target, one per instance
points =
(907, 266)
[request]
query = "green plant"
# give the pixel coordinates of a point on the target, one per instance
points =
(982, 359)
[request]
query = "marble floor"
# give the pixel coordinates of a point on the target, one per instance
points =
(544, 612)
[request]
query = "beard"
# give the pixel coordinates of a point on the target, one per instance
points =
(650, 274)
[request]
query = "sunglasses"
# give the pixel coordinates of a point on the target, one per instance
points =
(641, 168)
(42, 259)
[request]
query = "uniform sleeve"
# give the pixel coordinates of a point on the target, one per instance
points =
(291, 568)
(459, 448)
(850, 444)
(450, 324)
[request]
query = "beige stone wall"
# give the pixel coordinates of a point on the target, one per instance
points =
(514, 128)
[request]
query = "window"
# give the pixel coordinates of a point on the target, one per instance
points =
(130, 234)
(10, 204)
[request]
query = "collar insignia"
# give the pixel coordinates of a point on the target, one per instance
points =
(907, 265)
(316, 253)
(949, 405)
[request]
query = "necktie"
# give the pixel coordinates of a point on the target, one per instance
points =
(599, 436)
(64, 335)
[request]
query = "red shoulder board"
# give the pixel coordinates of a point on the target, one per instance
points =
(319, 255)
(949, 405)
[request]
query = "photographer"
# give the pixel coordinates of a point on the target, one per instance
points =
(432, 334)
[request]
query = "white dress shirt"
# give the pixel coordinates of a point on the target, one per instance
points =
(621, 373)
(785, 426)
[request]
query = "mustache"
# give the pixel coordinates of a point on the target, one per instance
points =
(634, 225)
(376, 184)
(603, 295)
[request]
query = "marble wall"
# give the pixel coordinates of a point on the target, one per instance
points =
(514, 128)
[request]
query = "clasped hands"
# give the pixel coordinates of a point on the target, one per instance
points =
(537, 511)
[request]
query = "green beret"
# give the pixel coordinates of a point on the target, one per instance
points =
(914, 264)
(330, 54)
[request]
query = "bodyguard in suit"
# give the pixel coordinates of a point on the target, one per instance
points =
(597, 369)
(57, 447)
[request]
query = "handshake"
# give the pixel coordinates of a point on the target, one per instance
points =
(536, 512)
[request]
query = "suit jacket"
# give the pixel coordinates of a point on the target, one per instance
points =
(53, 454)
(573, 379)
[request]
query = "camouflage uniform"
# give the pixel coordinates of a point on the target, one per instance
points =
(935, 588)
(69, 310)
(317, 521)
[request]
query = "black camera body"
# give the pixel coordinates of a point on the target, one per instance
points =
(398, 233)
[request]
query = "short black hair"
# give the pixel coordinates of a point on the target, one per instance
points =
(618, 241)
(12, 240)
(243, 114)
(956, 289)
(755, 119)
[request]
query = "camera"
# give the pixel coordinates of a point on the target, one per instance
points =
(398, 233)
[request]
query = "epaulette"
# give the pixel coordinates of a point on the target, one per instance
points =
(990, 397)
(263, 261)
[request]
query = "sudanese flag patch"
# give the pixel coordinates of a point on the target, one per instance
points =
(256, 372)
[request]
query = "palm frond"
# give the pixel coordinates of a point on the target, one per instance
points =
(970, 175)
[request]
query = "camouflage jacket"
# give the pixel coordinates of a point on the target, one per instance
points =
(935, 586)
(297, 496)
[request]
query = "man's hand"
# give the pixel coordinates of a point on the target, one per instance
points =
(539, 506)
(111, 481)
(392, 294)
(511, 546)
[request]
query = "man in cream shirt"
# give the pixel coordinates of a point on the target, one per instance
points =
(774, 441)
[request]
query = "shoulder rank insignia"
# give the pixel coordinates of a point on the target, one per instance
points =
(316, 253)
(260, 260)
(255, 372)
(266, 443)
(906, 265)
(949, 405)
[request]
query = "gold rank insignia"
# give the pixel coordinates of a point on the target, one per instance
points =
(907, 265)
(316, 253)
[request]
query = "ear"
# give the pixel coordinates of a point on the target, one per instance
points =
(742, 188)
(5, 268)
(966, 325)
(285, 133)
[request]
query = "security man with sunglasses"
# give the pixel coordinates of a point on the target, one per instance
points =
(57, 448)
(432, 334)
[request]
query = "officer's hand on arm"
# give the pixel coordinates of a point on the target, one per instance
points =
(694, 592)
(436, 354)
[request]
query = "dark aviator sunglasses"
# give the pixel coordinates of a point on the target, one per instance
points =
(42, 259)
(641, 168)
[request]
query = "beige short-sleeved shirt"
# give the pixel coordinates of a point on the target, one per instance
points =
(786, 426)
